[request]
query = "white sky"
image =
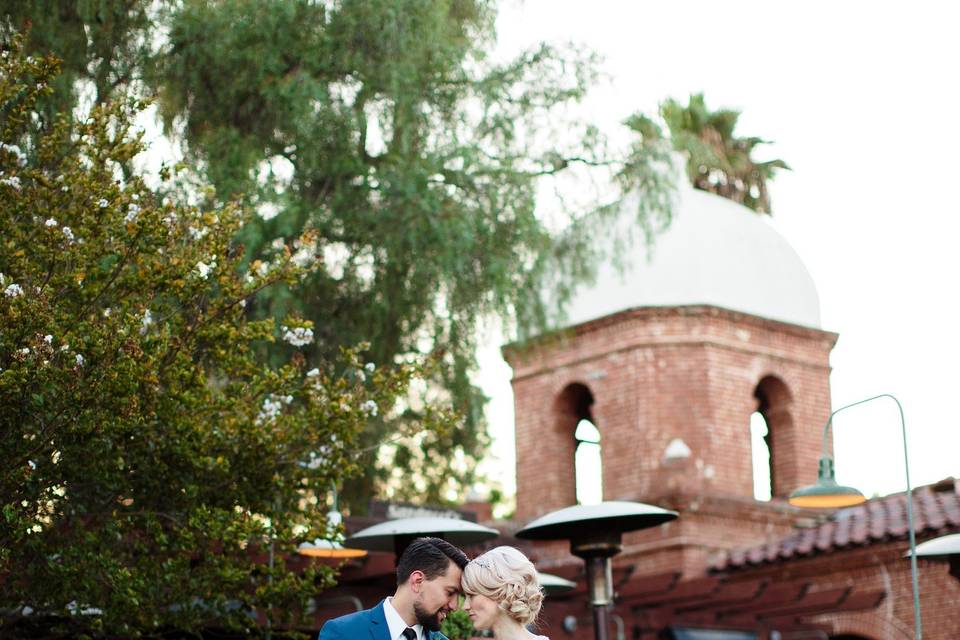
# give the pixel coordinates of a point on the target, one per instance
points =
(861, 99)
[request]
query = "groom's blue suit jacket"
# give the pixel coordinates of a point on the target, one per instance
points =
(364, 625)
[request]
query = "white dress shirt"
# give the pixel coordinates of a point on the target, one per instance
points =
(396, 624)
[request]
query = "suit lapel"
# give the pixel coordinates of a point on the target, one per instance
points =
(378, 623)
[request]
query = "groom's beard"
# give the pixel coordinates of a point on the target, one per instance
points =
(430, 621)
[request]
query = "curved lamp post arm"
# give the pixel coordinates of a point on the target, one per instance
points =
(918, 628)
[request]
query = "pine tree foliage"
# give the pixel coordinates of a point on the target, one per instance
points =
(151, 458)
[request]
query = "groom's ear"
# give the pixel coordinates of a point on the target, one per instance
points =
(416, 580)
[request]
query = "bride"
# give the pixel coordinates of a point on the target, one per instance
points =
(503, 593)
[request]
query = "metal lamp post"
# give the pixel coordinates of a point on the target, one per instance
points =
(826, 493)
(595, 533)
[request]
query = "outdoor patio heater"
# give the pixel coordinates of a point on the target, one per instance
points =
(555, 585)
(396, 535)
(945, 549)
(595, 532)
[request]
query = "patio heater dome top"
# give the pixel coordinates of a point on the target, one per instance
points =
(554, 585)
(382, 537)
(941, 547)
(590, 520)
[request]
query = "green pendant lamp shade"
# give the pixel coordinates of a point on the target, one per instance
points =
(826, 493)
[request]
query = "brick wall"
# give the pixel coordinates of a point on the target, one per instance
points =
(879, 567)
(661, 373)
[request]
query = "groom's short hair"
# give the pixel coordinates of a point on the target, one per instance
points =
(432, 556)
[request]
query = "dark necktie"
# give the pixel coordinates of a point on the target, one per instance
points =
(409, 634)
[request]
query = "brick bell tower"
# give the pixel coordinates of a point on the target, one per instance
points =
(669, 358)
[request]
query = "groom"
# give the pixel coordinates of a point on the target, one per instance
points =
(428, 587)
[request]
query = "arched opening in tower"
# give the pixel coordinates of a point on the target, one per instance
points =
(576, 419)
(588, 463)
(771, 428)
(760, 454)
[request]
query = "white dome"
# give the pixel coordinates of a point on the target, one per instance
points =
(715, 252)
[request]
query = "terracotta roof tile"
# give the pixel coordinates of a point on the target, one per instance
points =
(936, 510)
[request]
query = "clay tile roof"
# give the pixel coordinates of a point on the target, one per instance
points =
(936, 510)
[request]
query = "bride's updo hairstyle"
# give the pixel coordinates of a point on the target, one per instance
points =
(508, 578)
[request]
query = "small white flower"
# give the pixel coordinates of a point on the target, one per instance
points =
(303, 257)
(50, 222)
(361, 376)
(369, 367)
(103, 204)
(134, 197)
(146, 321)
(107, 312)
(79, 360)
(277, 243)
(370, 408)
(269, 410)
(243, 303)
(31, 464)
(132, 211)
(298, 336)
(198, 234)
(315, 460)
(11, 181)
(65, 189)
(205, 269)
(16, 151)
(25, 351)
(68, 233)
(313, 373)
(13, 290)
(48, 339)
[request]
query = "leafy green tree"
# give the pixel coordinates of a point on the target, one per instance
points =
(384, 129)
(382, 125)
(718, 160)
(157, 473)
(101, 46)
